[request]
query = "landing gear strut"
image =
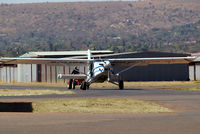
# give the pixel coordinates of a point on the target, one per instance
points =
(74, 84)
(70, 84)
(121, 84)
(84, 85)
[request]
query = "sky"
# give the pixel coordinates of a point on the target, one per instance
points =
(37, 1)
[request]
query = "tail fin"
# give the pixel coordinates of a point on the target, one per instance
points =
(89, 54)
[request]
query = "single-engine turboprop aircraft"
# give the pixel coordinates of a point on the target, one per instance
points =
(99, 70)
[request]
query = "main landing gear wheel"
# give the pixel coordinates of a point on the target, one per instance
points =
(70, 84)
(121, 84)
(84, 85)
(88, 87)
(74, 84)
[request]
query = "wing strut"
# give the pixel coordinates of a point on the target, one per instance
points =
(128, 68)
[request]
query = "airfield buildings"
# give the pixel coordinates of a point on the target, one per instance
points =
(48, 73)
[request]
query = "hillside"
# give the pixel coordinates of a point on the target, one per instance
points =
(167, 25)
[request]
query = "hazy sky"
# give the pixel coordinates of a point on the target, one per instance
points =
(36, 1)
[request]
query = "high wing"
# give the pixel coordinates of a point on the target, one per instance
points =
(41, 60)
(147, 61)
(117, 61)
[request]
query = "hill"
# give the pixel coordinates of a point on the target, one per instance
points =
(161, 25)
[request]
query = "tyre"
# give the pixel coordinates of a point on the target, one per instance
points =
(121, 84)
(84, 86)
(70, 84)
(88, 87)
(81, 86)
(74, 84)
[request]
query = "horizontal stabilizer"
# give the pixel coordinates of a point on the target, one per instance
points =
(72, 76)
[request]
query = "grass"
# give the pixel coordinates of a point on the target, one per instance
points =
(29, 92)
(184, 88)
(149, 84)
(35, 84)
(98, 105)
(173, 85)
(106, 84)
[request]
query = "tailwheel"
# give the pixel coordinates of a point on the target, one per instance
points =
(121, 84)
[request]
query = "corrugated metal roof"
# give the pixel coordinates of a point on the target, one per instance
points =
(195, 54)
(197, 59)
(63, 53)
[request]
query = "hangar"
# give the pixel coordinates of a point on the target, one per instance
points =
(156, 72)
(194, 67)
(48, 73)
(43, 72)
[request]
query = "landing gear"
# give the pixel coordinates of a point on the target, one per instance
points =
(88, 87)
(70, 84)
(84, 85)
(121, 84)
(74, 84)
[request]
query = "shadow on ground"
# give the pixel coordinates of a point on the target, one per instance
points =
(16, 107)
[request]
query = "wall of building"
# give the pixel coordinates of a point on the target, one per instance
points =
(37, 73)
(49, 72)
(163, 72)
(194, 71)
(191, 72)
(27, 72)
(8, 74)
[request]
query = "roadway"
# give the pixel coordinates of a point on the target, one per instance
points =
(186, 119)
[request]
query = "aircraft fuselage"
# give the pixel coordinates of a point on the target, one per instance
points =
(99, 71)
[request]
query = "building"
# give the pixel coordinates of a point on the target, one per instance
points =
(194, 68)
(43, 72)
(155, 72)
(48, 73)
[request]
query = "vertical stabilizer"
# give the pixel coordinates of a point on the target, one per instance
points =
(89, 54)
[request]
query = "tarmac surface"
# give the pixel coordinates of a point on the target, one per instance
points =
(185, 119)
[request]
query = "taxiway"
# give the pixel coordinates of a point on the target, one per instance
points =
(185, 119)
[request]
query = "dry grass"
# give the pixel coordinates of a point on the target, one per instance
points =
(35, 84)
(98, 105)
(29, 92)
(109, 85)
(148, 84)
(184, 88)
